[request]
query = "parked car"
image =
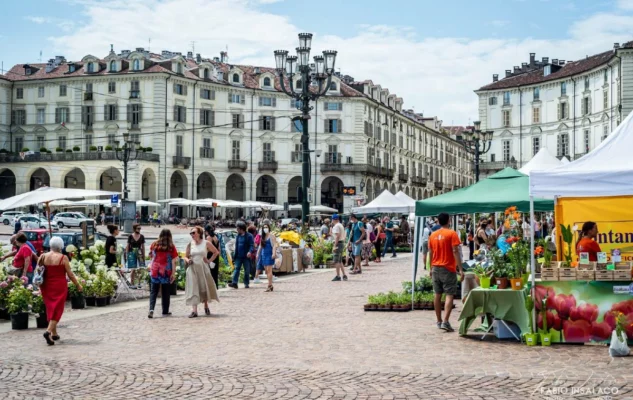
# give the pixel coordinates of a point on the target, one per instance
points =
(227, 235)
(33, 222)
(7, 217)
(74, 238)
(36, 237)
(69, 219)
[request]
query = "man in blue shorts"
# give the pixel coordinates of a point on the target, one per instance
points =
(358, 235)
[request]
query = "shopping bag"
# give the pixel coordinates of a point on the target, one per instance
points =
(618, 347)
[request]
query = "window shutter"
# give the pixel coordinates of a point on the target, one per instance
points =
(589, 105)
(325, 125)
(340, 106)
(174, 87)
(83, 114)
(242, 121)
(202, 117)
(184, 114)
(566, 110)
(184, 89)
(106, 115)
(13, 117)
(340, 126)
(212, 118)
(230, 98)
(129, 113)
(325, 106)
(202, 93)
(140, 112)
(116, 112)
(175, 113)
(272, 124)
(558, 110)
(274, 102)
(57, 116)
(260, 101)
(261, 123)
(242, 99)
(68, 114)
(213, 95)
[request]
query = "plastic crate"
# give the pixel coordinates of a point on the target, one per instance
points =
(503, 332)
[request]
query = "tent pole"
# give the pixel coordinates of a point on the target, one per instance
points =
(532, 260)
(419, 223)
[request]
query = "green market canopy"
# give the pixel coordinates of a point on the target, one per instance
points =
(506, 188)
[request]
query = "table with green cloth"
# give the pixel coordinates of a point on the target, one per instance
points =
(504, 304)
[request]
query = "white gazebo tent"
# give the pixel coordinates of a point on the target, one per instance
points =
(402, 196)
(386, 202)
(542, 161)
(564, 160)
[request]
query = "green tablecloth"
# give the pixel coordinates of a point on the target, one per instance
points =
(505, 304)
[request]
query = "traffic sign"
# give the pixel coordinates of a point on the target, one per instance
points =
(114, 199)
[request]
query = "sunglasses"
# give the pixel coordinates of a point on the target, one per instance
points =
(192, 233)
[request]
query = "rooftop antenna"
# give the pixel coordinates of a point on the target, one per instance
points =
(40, 55)
(193, 46)
(149, 45)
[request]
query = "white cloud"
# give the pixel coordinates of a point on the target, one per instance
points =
(625, 4)
(38, 20)
(436, 75)
(499, 23)
(63, 24)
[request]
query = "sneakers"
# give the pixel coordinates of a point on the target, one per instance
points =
(256, 281)
(336, 279)
(151, 314)
(447, 327)
(232, 285)
(393, 256)
(439, 325)
(344, 277)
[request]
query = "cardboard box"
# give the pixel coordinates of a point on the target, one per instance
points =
(585, 275)
(604, 275)
(567, 274)
(549, 274)
(621, 275)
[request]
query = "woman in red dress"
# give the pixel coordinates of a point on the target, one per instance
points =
(55, 286)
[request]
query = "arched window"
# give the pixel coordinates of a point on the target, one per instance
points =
(112, 66)
(267, 82)
(236, 78)
(136, 66)
(299, 85)
(206, 73)
(333, 86)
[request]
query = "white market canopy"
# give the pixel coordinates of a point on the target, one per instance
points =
(406, 199)
(48, 194)
(386, 202)
(564, 161)
(542, 161)
(605, 171)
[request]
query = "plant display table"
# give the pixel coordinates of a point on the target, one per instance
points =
(503, 304)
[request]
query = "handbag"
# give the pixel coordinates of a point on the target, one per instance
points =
(278, 258)
(382, 235)
(372, 236)
(38, 275)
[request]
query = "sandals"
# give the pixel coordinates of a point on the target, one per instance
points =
(193, 315)
(55, 337)
(47, 336)
(270, 288)
(207, 311)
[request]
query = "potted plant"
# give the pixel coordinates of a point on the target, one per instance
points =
(372, 303)
(405, 301)
(25, 149)
(89, 292)
(20, 300)
(148, 149)
(546, 337)
(59, 150)
(568, 236)
(39, 308)
(531, 338)
(518, 254)
(77, 299)
(69, 151)
(500, 269)
(108, 148)
(101, 293)
(76, 149)
(391, 301)
(483, 274)
(43, 150)
(382, 302)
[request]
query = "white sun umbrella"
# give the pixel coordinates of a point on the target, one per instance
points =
(62, 203)
(145, 203)
(171, 200)
(323, 209)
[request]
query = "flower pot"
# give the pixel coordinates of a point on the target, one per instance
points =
(405, 307)
(173, 289)
(546, 339)
(42, 320)
(531, 339)
(484, 281)
(91, 301)
(100, 301)
(20, 321)
(517, 283)
(4, 314)
(524, 278)
(108, 299)
(502, 283)
(77, 302)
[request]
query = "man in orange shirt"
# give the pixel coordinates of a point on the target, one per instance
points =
(587, 242)
(446, 260)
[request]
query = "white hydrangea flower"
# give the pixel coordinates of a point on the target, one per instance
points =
(88, 262)
(71, 249)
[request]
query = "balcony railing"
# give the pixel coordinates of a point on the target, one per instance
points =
(361, 168)
(418, 180)
(403, 177)
(52, 157)
(238, 164)
(88, 96)
(135, 94)
(268, 165)
(333, 158)
(296, 157)
(439, 185)
(496, 165)
(207, 152)
(184, 162)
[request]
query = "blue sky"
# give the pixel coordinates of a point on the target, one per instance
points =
(431, 53)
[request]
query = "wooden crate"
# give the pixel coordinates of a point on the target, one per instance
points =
(621, 275)
(601, 267)
(567, 274)
(549, 274)
(604, 275)
(585, 275)
(555, 264)
(588, 267)
(624, 265)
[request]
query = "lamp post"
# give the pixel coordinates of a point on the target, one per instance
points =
(287, 68)
(477, 143)
(126, 153)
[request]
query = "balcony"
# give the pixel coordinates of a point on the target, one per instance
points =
(496, 165)
(296, 157)
(52, 157)
(207, 152)
(403, 177)
(135, 94)
(182, 162)
(439, 185)
(383, 172)
(88, 96)
(418, 180)
(270, 165)
(237, 165)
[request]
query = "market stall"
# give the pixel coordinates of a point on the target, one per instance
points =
(584, 299)
(542, 161)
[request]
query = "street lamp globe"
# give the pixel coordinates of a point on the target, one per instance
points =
(280, 59)
(488, 136)
(303, 53)
(330, 61)
(126, 136)
(291, 65)
(319, 62)
(477, 125)
(305, 40)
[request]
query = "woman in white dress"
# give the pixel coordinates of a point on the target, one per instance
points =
(199, 285)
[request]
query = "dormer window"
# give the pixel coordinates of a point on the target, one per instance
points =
(71, 67)
(28, 71)
(267, 82)
(206, 73)
(333, 86)
(136, 65)
(90, 68)
(236, 78)
(112, 66)
(178, 68)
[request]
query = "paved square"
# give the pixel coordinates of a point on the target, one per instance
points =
(309, 339)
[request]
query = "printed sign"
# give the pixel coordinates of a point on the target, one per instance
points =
(602, 258)
(616, 255)
(349, 190)
(584, 258)
(114, 199)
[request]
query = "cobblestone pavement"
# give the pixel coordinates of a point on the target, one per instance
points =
(309, 339)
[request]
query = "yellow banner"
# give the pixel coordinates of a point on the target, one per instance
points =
(613, 215)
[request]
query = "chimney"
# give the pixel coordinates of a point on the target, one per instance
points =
(223, 57)
(495, 77)
(216, 59)
(198, 58)
(555, 61)
(257, 70)
(545, 60)
(508, 73)
(50, 65)
(140, 49)
(516, 69)
(524, 66)
(190, 54)
(616, 46)
(561, 62)
(532, 58)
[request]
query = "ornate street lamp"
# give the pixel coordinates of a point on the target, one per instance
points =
(287, 68)
(126, 153)
(477, 143)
